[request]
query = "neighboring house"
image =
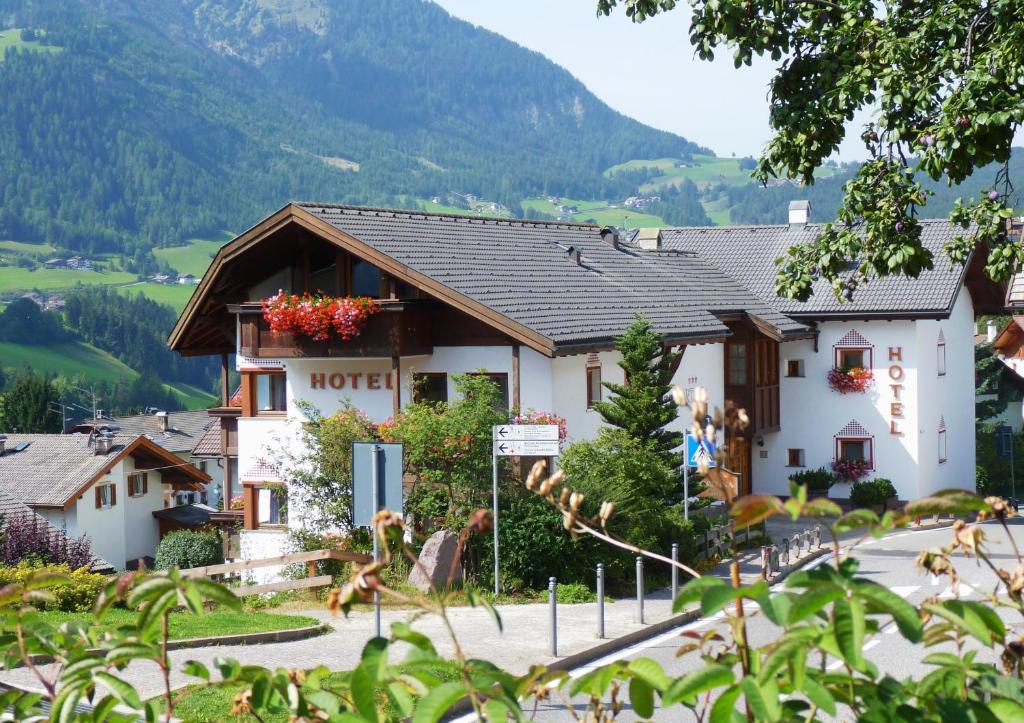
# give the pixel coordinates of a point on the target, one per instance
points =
(1008, 348)
(538, 305)
(105, 487)
(186, 279)
(178, 433)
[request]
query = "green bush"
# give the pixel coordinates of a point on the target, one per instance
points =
(873, 492)
(75, 596)
(189, 548)
(574, 593)
(817, 480)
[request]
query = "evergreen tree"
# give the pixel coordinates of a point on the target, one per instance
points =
(26, 405)
(643, 406)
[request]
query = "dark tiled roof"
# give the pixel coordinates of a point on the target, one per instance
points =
(184, 429)
(523, 271)
(53, 467)
(209, 444)
(194, 515)
(748, 253)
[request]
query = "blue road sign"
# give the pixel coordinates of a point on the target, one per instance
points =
(1004, 440)
(696, 452)
(387, 458)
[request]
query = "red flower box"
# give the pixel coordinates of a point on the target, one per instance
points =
(318, 316)
(850, 381)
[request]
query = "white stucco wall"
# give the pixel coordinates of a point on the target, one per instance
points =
(813, 414)
(141, 529)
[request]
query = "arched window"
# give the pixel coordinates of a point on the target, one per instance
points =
(940, 351)
(853, 351)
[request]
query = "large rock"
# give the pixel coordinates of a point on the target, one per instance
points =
(436, 561)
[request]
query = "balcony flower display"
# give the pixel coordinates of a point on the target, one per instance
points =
(318, 315)
(534, 417)
(850, 470)
(850, 381)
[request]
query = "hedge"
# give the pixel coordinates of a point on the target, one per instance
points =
(188, 548)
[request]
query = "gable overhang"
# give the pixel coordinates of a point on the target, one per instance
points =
(293, 214)
(182, 475)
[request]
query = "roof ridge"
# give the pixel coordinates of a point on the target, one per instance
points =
(457, 216)
(747, 226)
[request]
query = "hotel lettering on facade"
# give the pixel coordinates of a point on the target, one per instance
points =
(537, 306)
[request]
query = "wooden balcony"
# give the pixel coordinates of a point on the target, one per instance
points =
(401, 328)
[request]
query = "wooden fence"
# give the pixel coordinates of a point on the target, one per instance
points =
(296, 558)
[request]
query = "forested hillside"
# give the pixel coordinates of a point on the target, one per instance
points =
(148, 123)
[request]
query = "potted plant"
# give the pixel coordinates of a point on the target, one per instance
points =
(850, 381)
(819, 481)
(318, 315)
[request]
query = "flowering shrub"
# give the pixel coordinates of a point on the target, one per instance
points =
(534, 417)
(28, 538)
(317, 316)
(75, 592)
(237, 503)
(850, 381)
(850, 470)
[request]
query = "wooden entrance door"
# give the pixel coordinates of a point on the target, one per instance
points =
(738, 462)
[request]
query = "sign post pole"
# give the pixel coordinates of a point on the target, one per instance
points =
(375, 481)
(1013, 481)
(497, 573)
(686, 490)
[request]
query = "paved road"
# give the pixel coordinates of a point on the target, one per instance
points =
(889, 562)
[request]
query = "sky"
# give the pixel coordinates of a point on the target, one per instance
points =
(647, 70)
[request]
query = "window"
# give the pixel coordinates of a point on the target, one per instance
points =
(138, 484)
(106, 496)
(737, 363)
(794, 458)
(794, 367)
(271, 395)
(593, 385)
(941, 360)
(856, 449)
(430, 387)
(942, 446)
(851, 358)
(501, 380)
(366, 279)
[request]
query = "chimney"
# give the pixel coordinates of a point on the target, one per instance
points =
(610, 236)
(799, 213)
(991, 332)
(104, 443)
(161, 418)
(574, 255)
(649, 239)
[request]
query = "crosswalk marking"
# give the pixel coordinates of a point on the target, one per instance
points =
(965, 591)
(905, 591)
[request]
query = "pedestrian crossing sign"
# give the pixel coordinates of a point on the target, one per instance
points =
(698, 453)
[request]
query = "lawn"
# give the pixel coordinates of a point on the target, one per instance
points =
(26, 248)
(12, 39)
(192, 397)
(71, 358)
(194, 257)
(701, 169)
(184, 626)
(602, 213)
(174, 295)
(13, 278)
(209, 705)
(442, 208)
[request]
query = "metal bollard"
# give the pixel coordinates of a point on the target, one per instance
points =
(784, 552)
(675, 571)
(766, 561)
(600, 600)
(639, 614)
(817, 536)
(775, 564)
(553, 605)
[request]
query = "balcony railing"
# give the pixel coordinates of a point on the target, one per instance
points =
(401, 328)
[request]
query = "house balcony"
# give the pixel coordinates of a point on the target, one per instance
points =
(400, 328)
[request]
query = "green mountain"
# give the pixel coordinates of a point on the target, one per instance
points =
(147, 123)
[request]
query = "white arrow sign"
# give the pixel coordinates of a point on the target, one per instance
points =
(537, 432)
(526, 448)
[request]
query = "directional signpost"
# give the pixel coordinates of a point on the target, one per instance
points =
(1004, 448)
(697, 451)
(519, 440)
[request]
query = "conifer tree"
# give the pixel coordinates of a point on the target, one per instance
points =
(643, 406)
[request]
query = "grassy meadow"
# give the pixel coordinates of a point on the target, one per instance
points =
(602, 213)
(174, 295)
(70, 358)
(14, 278)
(193, 257)
(11, 38)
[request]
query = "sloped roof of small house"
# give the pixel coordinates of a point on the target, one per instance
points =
(52, 470)
(184, 429)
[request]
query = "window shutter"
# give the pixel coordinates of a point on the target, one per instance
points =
(99, 497)
(113, 495)
(145, 483)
